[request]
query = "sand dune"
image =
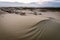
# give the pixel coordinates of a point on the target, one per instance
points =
(17, 27)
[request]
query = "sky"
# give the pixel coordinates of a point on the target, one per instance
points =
(28, 1)
(47, 3)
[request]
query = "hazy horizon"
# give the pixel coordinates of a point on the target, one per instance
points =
(32, 3)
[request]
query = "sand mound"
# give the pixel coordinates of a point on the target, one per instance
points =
(2, 12)
(16, 27)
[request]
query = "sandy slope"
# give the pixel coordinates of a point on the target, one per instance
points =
(13, 26)
(17, 27)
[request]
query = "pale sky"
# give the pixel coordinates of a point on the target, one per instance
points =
(27, 1)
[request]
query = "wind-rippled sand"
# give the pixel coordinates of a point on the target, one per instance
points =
(14, 27)
(13, 24)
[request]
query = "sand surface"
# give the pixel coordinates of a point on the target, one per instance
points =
(14, 27)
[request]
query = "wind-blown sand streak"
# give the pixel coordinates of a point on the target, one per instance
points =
(16, 27)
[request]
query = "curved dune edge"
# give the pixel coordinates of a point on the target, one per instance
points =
(13, 26)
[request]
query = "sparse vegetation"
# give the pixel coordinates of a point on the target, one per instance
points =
(25, 10)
